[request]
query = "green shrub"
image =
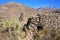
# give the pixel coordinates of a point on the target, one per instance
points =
(14, 24)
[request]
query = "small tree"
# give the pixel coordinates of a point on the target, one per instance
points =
(21, 17)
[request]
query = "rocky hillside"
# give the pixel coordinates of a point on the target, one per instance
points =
(19, 22)
(15, 10)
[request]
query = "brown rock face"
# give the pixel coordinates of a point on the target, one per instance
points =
(32, 27)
